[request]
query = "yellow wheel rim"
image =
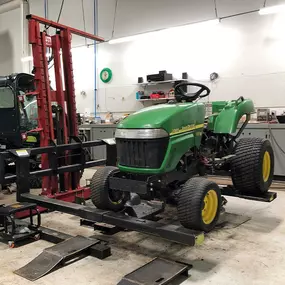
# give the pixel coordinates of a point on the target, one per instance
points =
(210, 207)
(266, 166)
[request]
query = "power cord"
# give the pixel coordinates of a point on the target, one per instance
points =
(83, 18)
(60, 11)
(59, 15)
(114, 20)
(46, 28)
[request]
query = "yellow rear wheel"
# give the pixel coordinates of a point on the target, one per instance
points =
(266, 166)
(252, 168)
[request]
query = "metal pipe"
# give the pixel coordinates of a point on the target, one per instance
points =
(60, 170)
(46, 8)
(95, 55)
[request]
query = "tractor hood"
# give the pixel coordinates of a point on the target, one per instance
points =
(169, 117)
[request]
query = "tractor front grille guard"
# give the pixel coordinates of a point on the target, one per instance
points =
(144, 153)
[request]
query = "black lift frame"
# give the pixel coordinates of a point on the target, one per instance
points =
(175, 233)
(172, 232)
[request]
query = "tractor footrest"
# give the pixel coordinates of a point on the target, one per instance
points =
(56, 255)
(266, 197)
(157, 272)
(146, 209)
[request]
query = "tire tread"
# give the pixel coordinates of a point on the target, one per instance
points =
(245, 168)
(190, 200)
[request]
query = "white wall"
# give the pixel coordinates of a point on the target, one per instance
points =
(247, 51)
(10, 43)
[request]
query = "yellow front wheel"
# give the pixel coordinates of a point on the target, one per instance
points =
(210, 207)
(199, 204)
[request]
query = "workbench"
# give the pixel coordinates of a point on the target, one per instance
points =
(276, 135)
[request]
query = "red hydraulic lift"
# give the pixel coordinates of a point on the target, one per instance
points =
(57, 121)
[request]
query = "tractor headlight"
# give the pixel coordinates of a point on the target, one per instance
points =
(140, 133)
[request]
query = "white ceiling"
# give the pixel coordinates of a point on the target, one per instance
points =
(137, 16)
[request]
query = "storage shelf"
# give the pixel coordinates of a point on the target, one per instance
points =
(162, 82)
(160, 99)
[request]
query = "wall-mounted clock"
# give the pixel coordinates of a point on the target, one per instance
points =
(106, 75)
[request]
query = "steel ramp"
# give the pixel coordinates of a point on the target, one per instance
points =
(157, 272)
(54, 256)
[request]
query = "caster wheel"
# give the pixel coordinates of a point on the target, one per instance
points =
(11, 244)
(37, 237)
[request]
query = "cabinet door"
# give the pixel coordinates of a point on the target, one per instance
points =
(99, 152)
(255, 133)
(278, 144)
(279, 135)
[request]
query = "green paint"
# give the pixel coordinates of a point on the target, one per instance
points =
(169, 117)
(227, 120)
(166, 116)
(182, 116)
(177, 147)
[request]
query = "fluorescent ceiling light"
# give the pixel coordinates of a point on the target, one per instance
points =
(272, 10)
(131, 38)
(169, 30)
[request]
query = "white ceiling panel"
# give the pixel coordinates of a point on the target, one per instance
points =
(106, 11)
(274, 2)
(136, 16)
(230, 7)
(4, 1)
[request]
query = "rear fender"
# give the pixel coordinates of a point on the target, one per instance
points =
(228, 119)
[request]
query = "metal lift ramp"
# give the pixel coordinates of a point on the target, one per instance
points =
(157, 272)
(55, 256)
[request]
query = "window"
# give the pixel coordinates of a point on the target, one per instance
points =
(6, 98)
(28, 111)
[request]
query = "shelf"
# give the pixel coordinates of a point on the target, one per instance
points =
(162, 82)
(160, 99)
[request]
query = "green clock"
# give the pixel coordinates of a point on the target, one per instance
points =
(106, 75)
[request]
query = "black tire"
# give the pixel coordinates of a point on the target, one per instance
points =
(247, 171)
(35, 182)
(191, 204)
(101, 195)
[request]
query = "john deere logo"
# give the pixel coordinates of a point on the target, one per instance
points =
(186, 129)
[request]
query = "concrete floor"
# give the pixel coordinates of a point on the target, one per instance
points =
(252, 253)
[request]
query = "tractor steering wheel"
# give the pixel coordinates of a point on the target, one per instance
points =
(181, 95)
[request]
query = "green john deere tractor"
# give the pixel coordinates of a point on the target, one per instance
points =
(162, 151)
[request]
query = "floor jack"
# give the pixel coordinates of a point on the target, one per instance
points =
(12, 230)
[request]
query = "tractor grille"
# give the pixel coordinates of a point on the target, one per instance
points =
(141, 153)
